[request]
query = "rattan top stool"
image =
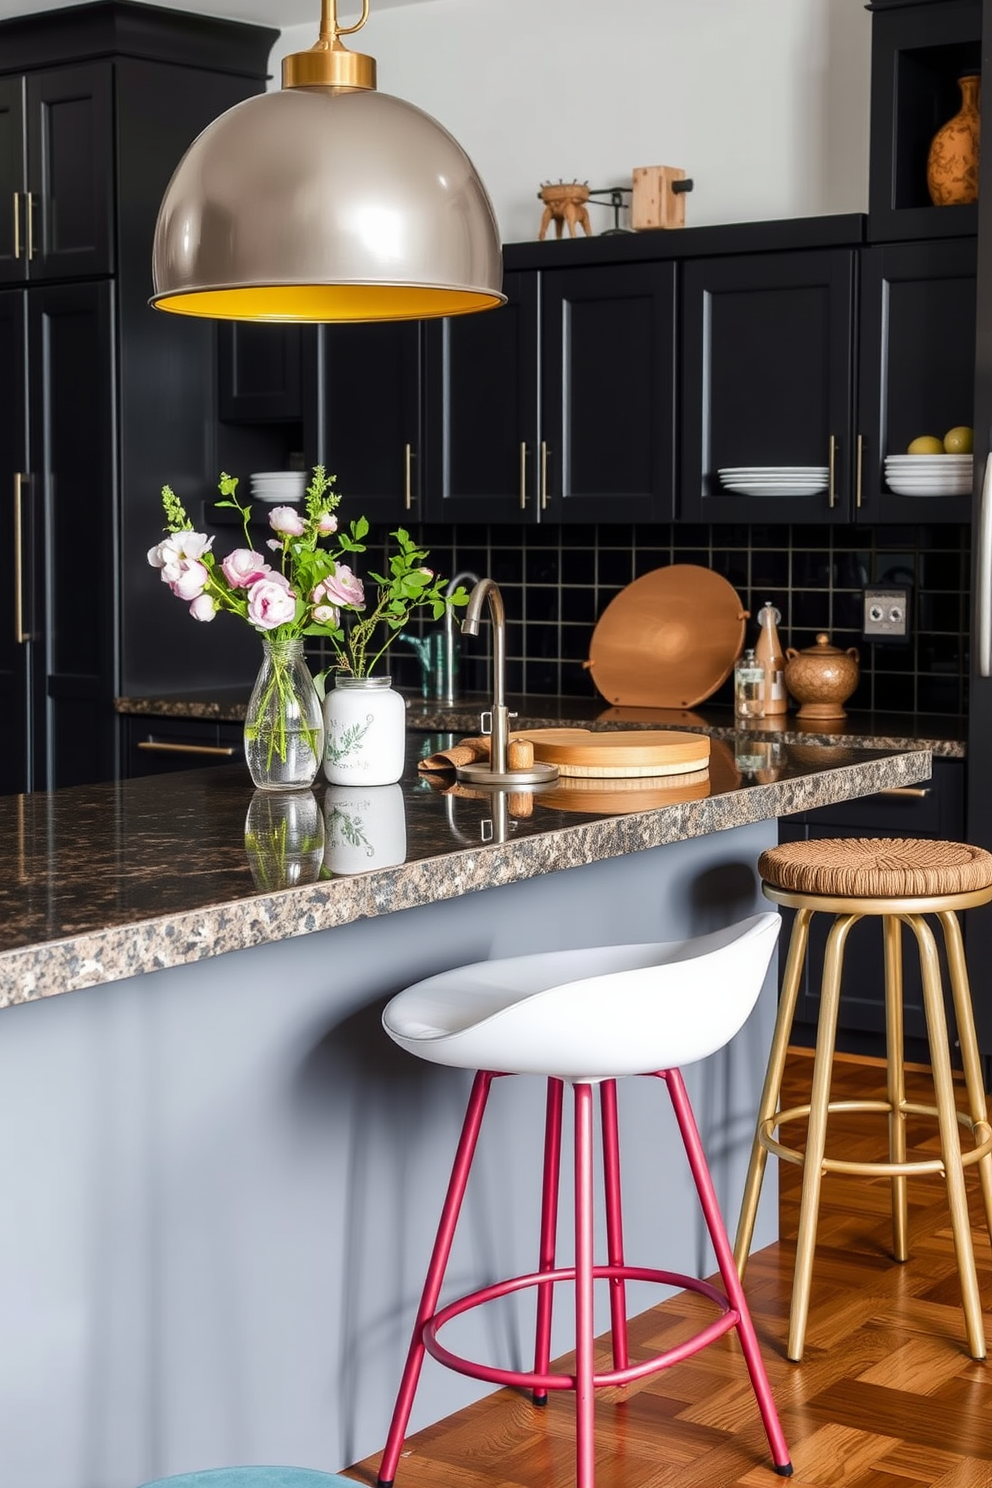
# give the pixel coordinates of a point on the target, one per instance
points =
(900, 881)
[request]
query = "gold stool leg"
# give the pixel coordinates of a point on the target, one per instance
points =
(816, 1139)
(770, 1093)
(970, 1057)
(895, 1078)
(950, 1141)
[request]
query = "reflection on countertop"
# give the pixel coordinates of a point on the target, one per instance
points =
(106, 881)
(943, 736)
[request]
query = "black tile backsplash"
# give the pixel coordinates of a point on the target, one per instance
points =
(557, 581)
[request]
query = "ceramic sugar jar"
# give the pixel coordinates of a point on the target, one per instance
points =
(821, 678)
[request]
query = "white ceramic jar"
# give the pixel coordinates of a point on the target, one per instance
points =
(364, 732)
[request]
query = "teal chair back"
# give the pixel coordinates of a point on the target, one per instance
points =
(255, 1477)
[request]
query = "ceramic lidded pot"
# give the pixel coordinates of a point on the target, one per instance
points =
(821, 678)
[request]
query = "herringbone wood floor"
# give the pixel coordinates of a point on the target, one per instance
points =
(886, 1395)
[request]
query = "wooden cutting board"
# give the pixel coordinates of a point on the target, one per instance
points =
(621, 753)
(669, 639)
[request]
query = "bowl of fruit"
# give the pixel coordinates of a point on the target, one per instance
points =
(932, 466)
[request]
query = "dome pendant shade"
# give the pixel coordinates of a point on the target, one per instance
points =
(318, 204)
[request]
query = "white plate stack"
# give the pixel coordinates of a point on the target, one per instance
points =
(281, 487)
(774, 480)
(929, 475)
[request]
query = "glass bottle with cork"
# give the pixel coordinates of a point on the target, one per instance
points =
(749, 679)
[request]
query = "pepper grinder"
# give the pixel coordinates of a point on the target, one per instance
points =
(768, 652)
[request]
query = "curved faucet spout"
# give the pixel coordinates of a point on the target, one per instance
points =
(450, 653)
(486, 590)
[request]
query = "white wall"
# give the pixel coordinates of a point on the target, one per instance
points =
(764, 103)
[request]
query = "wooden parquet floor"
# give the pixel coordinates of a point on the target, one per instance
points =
(886, 1395)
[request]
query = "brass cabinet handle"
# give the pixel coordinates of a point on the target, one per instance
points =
(30, 217)
(20, 634)
(917, 792)
(155, 747)
(832, 489)
(857, 478)
(407, 477)
(523, 476)
(17, 224)
(544, 474)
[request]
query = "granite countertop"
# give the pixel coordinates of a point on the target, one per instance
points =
(107, 881)
(943, 736)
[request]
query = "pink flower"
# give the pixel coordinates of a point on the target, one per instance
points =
(327, 523)
(169, 554)
(191, 580)
(203, 607)
(288, 520)
(243, 567)
(325, 614)
(271, 603)
(343, 588)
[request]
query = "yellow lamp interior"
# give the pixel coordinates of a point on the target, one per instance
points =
(327, 302)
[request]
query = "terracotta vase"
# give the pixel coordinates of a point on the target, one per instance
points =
(952, 165)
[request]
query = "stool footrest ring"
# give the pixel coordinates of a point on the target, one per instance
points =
(880, 1169)
(729, 1318)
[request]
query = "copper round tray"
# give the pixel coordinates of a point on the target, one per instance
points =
(669, 639)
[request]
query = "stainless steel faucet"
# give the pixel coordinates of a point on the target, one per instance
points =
(495, 773)
(450, 654)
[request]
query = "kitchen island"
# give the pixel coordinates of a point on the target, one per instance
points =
(222, 1178)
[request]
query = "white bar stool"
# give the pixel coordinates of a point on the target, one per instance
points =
(585, 1018)
(255, 1477)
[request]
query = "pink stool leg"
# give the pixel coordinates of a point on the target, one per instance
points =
(728, 1271)
(584, 1321)
(549, 1231)
(614, 1221)
(435, 1274)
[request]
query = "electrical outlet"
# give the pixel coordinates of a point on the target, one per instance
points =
(886, 614)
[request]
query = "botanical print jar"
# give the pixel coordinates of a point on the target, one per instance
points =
(365, 732)
(365, 827)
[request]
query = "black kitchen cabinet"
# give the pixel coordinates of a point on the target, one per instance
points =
(559, 406)
(156, 746)
(919, 49)
(917, 367)
(768, 379)
(56, 192)
(57, 484)
(259, 372)
(368, 422)
(932, 810)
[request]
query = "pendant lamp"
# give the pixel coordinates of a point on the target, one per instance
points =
(326, 201)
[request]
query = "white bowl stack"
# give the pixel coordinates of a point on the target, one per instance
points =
(281, 487)
(929, 475)
(774, 480)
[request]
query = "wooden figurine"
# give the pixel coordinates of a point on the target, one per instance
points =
(564, 202)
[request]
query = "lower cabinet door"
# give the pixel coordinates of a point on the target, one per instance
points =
(154, 746)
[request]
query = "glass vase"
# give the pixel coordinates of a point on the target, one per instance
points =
(284, 727)
(284, 839)
(365, 732)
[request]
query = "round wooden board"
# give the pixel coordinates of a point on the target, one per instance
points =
(669, 639)
(620, 753)
(619, 796)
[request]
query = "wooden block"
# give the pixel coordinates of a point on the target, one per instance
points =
(653, 203)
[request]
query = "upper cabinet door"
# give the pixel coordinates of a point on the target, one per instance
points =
(259, 372)
(369, 419)
(608, 348)
(13, 172)
(482, 416)
(70, 194)
(916, 372)
(768, 362)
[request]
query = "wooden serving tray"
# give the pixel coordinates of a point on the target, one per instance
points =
(620, 754)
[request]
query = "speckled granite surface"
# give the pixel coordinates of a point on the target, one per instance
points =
(106, 881)
(942, 736)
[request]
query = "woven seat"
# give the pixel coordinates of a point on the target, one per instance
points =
(882, 868)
